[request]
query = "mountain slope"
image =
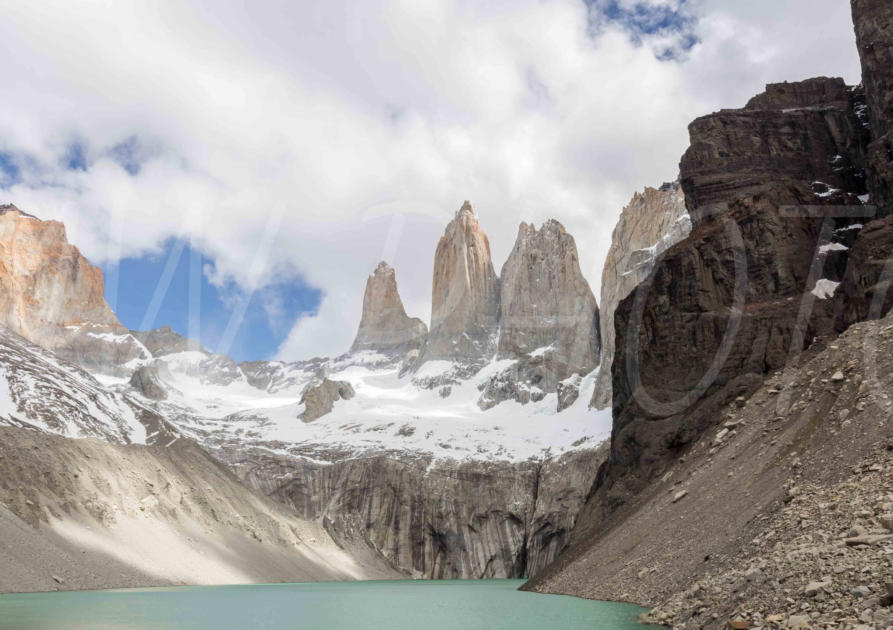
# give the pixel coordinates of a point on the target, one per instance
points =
(735, 487)
(100, 515)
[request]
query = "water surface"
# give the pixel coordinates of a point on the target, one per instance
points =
(392, 605)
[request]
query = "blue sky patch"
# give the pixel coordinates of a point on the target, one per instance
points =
(643, 19)
(9, 170)
(171, 288)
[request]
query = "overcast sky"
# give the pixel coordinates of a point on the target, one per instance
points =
(298, 143)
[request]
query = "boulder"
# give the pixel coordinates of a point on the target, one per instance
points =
(320, 398)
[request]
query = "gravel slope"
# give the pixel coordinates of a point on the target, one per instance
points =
(704, 517)
(78, 514)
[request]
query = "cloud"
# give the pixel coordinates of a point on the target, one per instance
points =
(312, 139)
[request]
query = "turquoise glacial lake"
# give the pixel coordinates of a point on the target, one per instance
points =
(391, 605)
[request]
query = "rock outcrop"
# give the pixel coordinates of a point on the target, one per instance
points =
(465, 294)
(435, 518)
(653, 221)
(721, 308)
(385, 327)
(164, 340)
(52, 296)
(546, 303)
(735, 301)
(320, 398)
(874, 24)
(146, 381)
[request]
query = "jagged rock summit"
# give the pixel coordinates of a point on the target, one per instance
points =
(546, 304)
(654, 220)
(45, 282)
(385, 327)
(465, 294)
(51, 295)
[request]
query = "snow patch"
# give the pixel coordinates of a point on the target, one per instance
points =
(825, 288)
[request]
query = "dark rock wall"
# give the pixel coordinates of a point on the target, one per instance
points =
(436, 519)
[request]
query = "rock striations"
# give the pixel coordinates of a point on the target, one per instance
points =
(385, 327)
(546, 303)
(653, 221)
(783, 255)
(52, 296)
(465, 294)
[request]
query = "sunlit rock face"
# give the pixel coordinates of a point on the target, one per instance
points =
(653, 221)
(385, 327)
(52, 296)
(465, 294)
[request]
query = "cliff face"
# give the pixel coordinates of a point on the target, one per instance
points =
(436, 519)
(385, 326)
(547, 303)
(772, 154)
(722, 309)
(653, 221)
(874, 24)
(465, 295)
(52, 296)
(789, 145)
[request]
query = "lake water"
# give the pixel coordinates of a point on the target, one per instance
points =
(396, 605)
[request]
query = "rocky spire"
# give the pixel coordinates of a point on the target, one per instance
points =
(465, 296)
(385, 327)
(653, 221)
(52, 296)
(45, 281)
(546, 302)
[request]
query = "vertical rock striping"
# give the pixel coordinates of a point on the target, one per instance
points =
(465, 293)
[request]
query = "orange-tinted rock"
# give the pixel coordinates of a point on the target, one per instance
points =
(465, 294)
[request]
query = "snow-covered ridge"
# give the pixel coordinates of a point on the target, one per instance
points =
(389, 413)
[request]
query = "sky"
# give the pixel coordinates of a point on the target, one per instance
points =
(284, 148)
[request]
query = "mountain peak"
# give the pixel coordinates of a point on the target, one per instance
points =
(465, 292)
(466, 209)
(11, 208)
(385, 327)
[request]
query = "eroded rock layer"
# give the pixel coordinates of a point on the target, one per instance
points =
(874, 25)
(436, 519)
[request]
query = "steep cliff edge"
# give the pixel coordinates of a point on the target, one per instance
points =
(465, 294)
(548, 319)
(51, 295)
(654, 220)
(723, 306)
(782, 256)
(436, 519)
(385, 327)
(874, 23)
